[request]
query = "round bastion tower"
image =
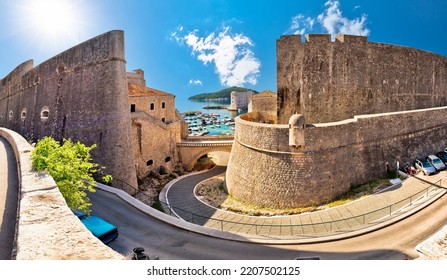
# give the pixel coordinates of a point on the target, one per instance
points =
(346, 109)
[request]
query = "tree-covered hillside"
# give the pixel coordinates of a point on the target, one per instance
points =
(225, 93)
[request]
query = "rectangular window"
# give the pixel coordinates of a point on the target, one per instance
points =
(163, 105)
(132, 107)
(163, 119)
(152, 106)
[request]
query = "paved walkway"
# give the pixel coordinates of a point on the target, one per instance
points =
(361, 214)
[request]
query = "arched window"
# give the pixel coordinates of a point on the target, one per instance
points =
(167, 159)
(45, 113)
(23, 114)
(150, 162)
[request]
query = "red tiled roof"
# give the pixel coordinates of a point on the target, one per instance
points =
(140, 91)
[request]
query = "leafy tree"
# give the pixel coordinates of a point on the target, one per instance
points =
(71, 167)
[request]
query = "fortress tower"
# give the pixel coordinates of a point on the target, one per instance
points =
(347, 111)
(79, 94)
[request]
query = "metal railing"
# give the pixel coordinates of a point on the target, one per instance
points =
(268, 227)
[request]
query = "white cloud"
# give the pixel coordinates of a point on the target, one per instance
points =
(334, 22)
(231, 55)
(300, 24)
(331, 21)
(195, 82)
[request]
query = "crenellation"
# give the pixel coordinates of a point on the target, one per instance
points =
(318, 38)
(345, 38)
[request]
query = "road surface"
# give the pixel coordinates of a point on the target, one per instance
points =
(168, 242)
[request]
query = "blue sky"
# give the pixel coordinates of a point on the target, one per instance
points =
(195, 46)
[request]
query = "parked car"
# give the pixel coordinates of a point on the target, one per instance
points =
(436, 162)
(104, 231)
(443, 156)
(424, 166)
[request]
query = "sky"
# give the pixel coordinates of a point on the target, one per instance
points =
(195, 46)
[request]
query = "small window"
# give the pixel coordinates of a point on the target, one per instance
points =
(167, 159)
(45, 113)
(152, 106)
(23, 115)
(132, 107)
(149, 162)
(163, 105)
(11, 114)
(163, 120)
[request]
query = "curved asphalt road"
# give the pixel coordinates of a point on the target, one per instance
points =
(8, 198)
(168, 242)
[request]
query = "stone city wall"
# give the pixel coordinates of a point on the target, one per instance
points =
(331, 81)
(79, 94)
(336, 156)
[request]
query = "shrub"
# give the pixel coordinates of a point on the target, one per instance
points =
(71, 167)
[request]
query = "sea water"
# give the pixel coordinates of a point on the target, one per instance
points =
(185, 105)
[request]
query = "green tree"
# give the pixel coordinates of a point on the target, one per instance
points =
(71, 167)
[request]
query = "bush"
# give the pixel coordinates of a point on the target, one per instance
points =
(71, 167)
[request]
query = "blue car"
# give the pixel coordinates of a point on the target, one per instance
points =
(104, 231)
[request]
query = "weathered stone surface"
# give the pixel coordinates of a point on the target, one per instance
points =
(332, 81)
(347, 91)
(265, 170)
(79, 94)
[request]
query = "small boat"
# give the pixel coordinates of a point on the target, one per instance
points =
(218, 125)
(204, 132)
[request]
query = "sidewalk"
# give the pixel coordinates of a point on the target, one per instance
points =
(361, 214)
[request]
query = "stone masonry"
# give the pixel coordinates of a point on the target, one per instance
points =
(79, 94)
(362, 107)
(331, 81)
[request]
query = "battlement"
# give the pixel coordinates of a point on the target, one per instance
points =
(321, 38)
(318, 38)
(344, 38)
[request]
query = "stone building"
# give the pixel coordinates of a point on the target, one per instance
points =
(240, 100)
(156, 127)
(346, 111)
(262, 102)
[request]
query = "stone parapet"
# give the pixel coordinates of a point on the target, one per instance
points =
(46, 227)
(264, 170)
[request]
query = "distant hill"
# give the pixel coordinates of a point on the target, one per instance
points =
(225, 93)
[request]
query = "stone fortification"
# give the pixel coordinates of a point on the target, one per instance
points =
(332, 158)
(331, 81)
(79, 94)
(366, 105)
(263, 102)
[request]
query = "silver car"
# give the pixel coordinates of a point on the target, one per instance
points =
(436, 162)
(424, 166)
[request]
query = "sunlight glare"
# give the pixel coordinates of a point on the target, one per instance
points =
(52, 21)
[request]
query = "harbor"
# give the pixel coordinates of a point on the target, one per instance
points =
(206, 124)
